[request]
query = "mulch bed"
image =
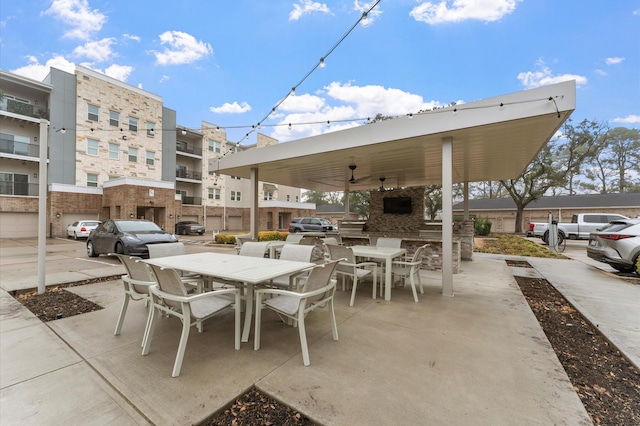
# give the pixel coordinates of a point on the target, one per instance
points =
(606, 382)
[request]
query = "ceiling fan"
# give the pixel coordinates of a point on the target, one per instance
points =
(353, 180)
(382, 179)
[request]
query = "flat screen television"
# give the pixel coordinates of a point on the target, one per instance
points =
(397, 205)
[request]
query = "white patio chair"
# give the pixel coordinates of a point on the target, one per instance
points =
(292, 252)
(294, 238)
(348, 267)
(192, 280)
(388, 242)
(170, 296)
(254, 248)
(241, 239)
(318, 291)
(136, 284)
(410, 269)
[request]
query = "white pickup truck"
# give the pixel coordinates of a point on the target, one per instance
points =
(582, 224)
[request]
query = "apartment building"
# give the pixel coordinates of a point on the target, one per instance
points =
(116, 151)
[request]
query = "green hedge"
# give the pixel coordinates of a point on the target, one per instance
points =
(482, 226)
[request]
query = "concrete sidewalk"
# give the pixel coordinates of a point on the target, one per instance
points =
(479, 357)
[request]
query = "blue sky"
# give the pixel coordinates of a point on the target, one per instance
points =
(230, 62)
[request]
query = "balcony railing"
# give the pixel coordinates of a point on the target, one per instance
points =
(19, 188)
(9, 146)
(188, 148)
(22, 108)
(195, 201)
(188, 174)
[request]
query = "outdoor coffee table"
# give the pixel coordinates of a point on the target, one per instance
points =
(242, 269)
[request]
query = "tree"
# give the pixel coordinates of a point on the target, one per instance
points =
(432, 200)
(316, 197)
(360, 202)
(554, 164)
(616, 166)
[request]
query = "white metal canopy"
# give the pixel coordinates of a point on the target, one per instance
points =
(490, 139)
(490, 142)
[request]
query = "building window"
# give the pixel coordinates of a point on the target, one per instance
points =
(133, 155)
(297, 198)
(214, 193)
(151, 156)
(93, 147)
(92, 179)
(14, 184)
(94, 113)
(288, 197)
(268, 195)
(133, 124)
(114, 118)
(235, 195)
(112, 177)
(114, 151)
(215, 146)
(151, 129)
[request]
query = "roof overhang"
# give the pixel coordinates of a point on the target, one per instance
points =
(492, 139)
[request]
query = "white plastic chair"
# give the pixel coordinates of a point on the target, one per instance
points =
(254, 248)
(170, 296)
(241, 239)
(192, 280)
(410, 269)
(348, 267)
(136, 284)
(318, 291)
(292, 252)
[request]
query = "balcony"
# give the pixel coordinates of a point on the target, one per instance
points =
(188, 148)
(195, 201)
(19, 188)
(21, 108)
(188, 174)
(9, 146)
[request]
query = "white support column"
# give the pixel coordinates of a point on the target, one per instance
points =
(447, 216)
(42, 205)
(255, 217)
(347, 207)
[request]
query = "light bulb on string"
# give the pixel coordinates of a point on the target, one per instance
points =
(322, 64)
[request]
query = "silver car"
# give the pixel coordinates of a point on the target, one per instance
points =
(126, 236)
(618, 244)
(81, 228)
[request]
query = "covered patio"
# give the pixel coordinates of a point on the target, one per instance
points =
(484, 140)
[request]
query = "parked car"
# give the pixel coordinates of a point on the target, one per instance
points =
(581, 225)
(310, 224)
(617, 244)
(81, 228)
(126, 236)
(187, 227)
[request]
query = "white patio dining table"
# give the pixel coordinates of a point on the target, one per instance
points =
(230, 267)
(382, 253)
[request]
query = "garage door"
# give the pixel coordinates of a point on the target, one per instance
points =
(19, 225)
(235, 223)
(69, 218)
(214, 222)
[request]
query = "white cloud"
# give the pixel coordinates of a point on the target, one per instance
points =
(233, 108)
(119, 72)
(462, 10)
(38, 71)
(131, 37)
(77, 14)
(544, 76)
(629, 119)
(164, 78)
(371, 16)
(614, 60)
(601, 72)
(181, 48)
(302, 103)
(342, 105)
(98, 51)
(307, 7)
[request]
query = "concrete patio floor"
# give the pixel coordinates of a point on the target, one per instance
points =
(479, 357)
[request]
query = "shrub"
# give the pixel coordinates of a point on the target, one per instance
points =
(482, 226)
(268, 236)
(225, 239)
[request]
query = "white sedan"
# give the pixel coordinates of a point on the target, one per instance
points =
(82, 228)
